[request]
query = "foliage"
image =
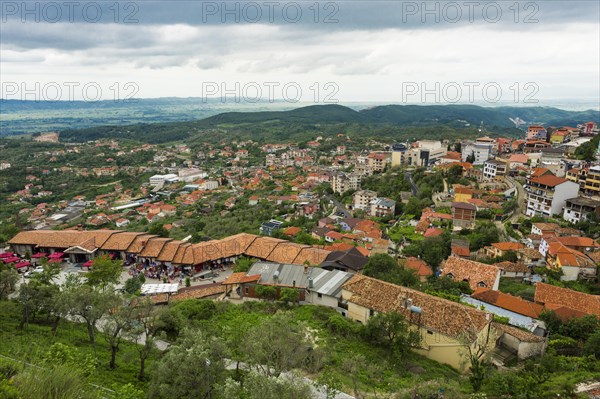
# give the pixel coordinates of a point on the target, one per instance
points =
(134, 284)
(392, 331)
(8, 281)
(190, 369)
(104, 271)
(433, 250)
(385, 267)
(243, 264)
(158, 229)
(65, 355)
(289, 295)
(265, 292)
(58, 382)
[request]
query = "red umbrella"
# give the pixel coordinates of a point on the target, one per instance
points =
(11, 259)
(88, 263)
(56, 255)
(39, 255)
(25, 263)
(6, 255)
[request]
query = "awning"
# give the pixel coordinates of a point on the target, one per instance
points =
(11, 259)
(39, 255)
(6, 255)
(25, 263)
(88, 263)
(56, 255)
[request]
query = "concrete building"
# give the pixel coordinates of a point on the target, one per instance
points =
(580, 208)
(494, 169)
(592, 181)
(547, 195)
(425, 152)
(480, 150)
(377, 161)
(162, 179)
(536, 132)
(463, 215)
(362, 199)
(342, 182)
(382, 207)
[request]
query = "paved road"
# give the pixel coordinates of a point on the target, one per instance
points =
(339, 207)
(518, 213)
(413, 186)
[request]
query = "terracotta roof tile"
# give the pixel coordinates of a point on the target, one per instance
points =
(509, 302)
(446, 317)
(553, 296)
(262, 247)
(240, 278)
(153, 247)
(475, 273)
(521, 335)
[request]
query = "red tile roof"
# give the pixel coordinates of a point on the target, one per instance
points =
(475, 273)
(508, 302)
(553, 296)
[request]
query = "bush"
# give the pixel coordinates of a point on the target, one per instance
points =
(342, 326)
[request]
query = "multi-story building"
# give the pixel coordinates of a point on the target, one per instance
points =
(580, 208)
(577, 175)
(536, 132)
(382, 207)
(377, 161)
(362, 199)
(592, 181)
(481, 151)
(342, 182)
(494, 169)
(399, 151)
(426, 152)
(547, 195)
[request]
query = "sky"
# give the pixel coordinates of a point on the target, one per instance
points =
(481, 52)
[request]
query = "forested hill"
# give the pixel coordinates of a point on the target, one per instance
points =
(300, 123)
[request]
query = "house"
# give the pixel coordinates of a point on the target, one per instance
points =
(350, 260)
(498, 249)
(460, 248)
(580, 208)
(513, 269)
(463, 215)
(566, 302)
(362, 199)
(377, 161)
(291, 231)
(268, 228)
(382, 207)
(521, 343)
(529, 256)
(478, 275)
(547, 195)
(495, 169)
(479, 151)
(421, 269)
(122, 222)
(536, 132)
(253, 200)
(445, 327)
(571, 262)
(314, 285)
(592, 181)
(518, 161)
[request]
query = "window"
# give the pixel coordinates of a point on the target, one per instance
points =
(319, 295)
(246, 290)
(371, 312)
(429, 332)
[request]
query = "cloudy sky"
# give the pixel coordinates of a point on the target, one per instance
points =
(349, 51)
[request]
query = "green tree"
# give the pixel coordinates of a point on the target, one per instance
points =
(104, 272)
(144, 330)
(134, 284)
(385, 267)
(115, 323)
(392, 331)
(289, 295)
(258, 386)
(191, 368)
(8, 281)
(265, 292)
(158, 229)
(592, 345)
(243, 264)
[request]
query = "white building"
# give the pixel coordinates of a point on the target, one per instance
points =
(482, 151)
(343, 182)
(547, 195)
(381, 207)
(191, 174)
(580, 208)
(362, 199)
(162, 179)
(494, 169)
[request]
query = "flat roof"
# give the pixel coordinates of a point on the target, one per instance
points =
(152, 289)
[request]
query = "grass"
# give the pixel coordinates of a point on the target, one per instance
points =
(517, 288)
(30, 344)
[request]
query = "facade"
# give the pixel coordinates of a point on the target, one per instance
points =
(536, 132)
(162, 179)
(445, 327)
(343, 182)
(592, 181)
(463, 215)
(580, 208)
(382, 207)
(494, 169)
(362, 199)
(268, 228)
(547, 195)
(377, 161)
(481, 152)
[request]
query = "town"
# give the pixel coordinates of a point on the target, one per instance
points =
(475, 254)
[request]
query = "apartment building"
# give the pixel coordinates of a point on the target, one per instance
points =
(342, 182)
(383, 207)
(494, 169)
(377, 161)
(536, 132)
(592, 181)
(547, 195)
(362, 199)
(580, 208)
(481, 151)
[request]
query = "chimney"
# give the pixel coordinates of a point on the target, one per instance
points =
(305, 269)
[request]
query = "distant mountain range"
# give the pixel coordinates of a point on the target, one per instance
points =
(169, 119)
(411, 115)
